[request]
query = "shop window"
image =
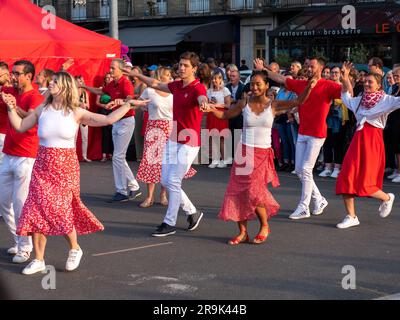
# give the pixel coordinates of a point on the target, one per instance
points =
(259, 43)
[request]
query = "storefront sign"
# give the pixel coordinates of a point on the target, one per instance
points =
(319, 32)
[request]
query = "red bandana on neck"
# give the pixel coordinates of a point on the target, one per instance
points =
(370, 100)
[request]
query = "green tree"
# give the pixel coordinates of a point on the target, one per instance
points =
(316, 52)
(359, 53)
(283, 59)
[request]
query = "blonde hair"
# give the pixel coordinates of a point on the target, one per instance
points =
(68, 92)
(161, 71)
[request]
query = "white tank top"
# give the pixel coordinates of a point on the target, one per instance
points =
(57, 130)
(257, 128)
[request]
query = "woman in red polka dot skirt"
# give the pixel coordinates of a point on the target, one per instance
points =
(53, 206)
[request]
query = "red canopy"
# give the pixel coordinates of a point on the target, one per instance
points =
(25, 34)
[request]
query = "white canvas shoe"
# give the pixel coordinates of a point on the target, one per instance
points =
(213, 164)
(326, 173)
(335, 173)
(34, 267)
(348, 222)
(74, 258)
(386, 207)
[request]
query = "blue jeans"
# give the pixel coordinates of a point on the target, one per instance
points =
(285, 133)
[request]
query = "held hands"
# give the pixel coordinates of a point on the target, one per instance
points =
(135, 104)
(114, 103)
(207, 107)
(9, 100)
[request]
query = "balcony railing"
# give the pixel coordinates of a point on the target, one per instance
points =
(241, 4)
(83, 10)
(310, 3)
(198, 6)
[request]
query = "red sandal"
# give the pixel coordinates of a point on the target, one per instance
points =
(260, 238)
(239, 240)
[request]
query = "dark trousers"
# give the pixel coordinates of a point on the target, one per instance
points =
(334, 146)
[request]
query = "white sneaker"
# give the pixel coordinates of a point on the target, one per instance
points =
(348, 222)
(335, 173)
(386, 207)
(319, 206)
(13, 250)
(396, 179)
(21, 257)
(326, 173)
(395, 174)
(300, 213)
(221, 164)
(74, 258)
(228, 161)
(213, 164)
(34, 267)
(294, 172)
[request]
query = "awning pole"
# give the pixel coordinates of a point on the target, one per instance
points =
(114, 19)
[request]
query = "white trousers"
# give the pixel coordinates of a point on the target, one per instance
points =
(124, 179)
(307, 151)
(85, 139)
(2, 138)
(177, 159)
(15, 176)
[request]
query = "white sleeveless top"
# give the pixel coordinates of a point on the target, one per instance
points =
(257, 128)
(57, 130)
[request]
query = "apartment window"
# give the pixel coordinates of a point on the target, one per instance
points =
(199, 6)
(78, 9)
(241, 4)
(162, 7)
(259, 43)
(104, 8)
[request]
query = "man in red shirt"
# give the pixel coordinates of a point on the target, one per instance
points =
(19, 156)
(184, 143)
(312, 131)
(121, 88)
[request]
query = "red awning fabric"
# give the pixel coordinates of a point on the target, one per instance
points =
(24, 34)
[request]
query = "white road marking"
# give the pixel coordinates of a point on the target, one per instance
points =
(395, 296)
(131, 249)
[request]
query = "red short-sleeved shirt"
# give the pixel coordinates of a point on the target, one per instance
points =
(3, 108)
(186, 112)
(120, 90)
(24, 144)
(315, 109)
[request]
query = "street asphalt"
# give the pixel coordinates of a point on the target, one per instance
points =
(307, 259)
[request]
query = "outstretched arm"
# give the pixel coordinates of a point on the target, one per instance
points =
(259, 66)
(150, 82)
(281, 106)
(229, 114)
(98, 120)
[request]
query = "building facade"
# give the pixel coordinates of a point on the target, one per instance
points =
(228, 30)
